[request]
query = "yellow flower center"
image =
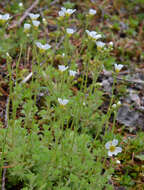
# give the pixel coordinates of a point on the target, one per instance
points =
(112, 148)
(117, 70)
(67, 14)
(63, 106)
(2, 21)
(42, 50)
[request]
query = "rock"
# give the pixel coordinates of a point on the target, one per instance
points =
(130, 118)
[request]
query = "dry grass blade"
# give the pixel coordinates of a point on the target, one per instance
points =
(27, 78)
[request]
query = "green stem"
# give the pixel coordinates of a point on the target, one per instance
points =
(111, 102)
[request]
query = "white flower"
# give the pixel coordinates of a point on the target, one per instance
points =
(117, 104)
(84, 103)
(36, 23)
(66, 12)
(118, 161)
(7, 54)
(42, 47)
(4, 17)
(93, 35)
(70, 31)
(72, 73)
(34, 16)
(70, 11)
(61, 13)
(118, 67)
(111, 44)
(114, 106)
(63, 54)
(20, 4)
(112, 149)
(100, 44)
(63, 101)
(92, 12)
(44, 21)
(62, 68)
(27, 26)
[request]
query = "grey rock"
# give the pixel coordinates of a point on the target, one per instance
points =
(130, 117)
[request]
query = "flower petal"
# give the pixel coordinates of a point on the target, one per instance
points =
(110, 153)
(114, 142)
(108, 144)
(118, 149)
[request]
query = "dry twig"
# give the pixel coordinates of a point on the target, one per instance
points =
(28, 77)
(3, 178)
(131, 81)
(18, 23)
(55, 1)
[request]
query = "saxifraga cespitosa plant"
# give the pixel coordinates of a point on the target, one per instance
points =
(54, 137)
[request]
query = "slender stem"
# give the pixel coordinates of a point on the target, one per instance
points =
(111, 102)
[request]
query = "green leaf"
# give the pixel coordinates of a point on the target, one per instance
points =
(140, 157)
